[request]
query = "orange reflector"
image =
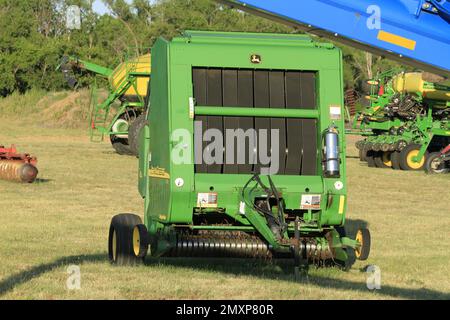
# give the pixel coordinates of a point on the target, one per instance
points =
(397, 40)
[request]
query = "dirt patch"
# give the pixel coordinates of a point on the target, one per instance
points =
(65, 110)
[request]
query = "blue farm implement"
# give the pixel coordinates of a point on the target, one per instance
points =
(414, 32)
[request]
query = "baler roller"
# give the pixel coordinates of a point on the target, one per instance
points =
(220, 244)
(315, 252)
(230, 244)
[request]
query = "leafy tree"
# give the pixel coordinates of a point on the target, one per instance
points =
(33, 36)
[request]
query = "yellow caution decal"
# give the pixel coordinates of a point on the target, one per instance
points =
(159, 173)
(342, 205)
(397, 40)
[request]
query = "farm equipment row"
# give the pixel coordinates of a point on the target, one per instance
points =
(16, 166)
(403, 30)
(407, 123)
(128, 86)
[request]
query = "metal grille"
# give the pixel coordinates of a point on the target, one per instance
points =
(298, 143)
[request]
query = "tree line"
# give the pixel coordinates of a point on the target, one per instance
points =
(34, 36)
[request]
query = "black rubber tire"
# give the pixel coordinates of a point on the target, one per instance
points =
(345, 265)
(371, 159)
(429, 164)
(404, 158)
(121, 146)
(134, 132)
(379, 163)
(342, 232)
(363, 253)
(120, 240)
(395, 158)
(362, 155)
(143, 241)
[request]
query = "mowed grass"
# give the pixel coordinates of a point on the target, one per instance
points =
(63, 220)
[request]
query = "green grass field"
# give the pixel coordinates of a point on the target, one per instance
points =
(63, 220)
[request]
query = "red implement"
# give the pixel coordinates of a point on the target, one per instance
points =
(14, 166)
(446, 150)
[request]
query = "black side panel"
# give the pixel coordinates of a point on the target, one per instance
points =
(310, 152)
(294, 126)
(214, 98)
(230, 99)
(245, 99)
(309, 134)
(200, 93)
(277, 100)
(262, 100)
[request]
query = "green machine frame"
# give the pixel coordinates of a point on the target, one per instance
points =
(101, 122)
(176, 222)
(100, 126)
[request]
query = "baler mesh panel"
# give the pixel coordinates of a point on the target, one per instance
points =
(247, 88)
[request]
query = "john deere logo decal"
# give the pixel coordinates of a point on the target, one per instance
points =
(256, 59)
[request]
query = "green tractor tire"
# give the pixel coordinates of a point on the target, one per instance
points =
(371, 159)
(383, 160)
(364, 239)
(127, 243)
(362, 155)
(407, 155)
(395, 159)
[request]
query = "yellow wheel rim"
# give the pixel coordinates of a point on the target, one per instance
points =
(114, 246)
(136, 241)
(387, 159)
(410, 162)
(359, 239)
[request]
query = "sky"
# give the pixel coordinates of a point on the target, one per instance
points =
(99, 7)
